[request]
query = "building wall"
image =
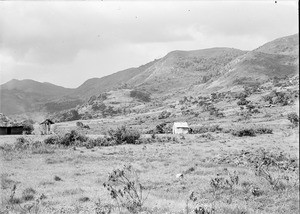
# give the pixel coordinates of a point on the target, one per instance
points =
(16, 130)
(180, 131)
(3, 131)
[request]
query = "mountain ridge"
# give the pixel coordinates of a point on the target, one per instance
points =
(205, 69)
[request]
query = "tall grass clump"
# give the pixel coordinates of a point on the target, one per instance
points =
(293, 118)
(123, 135)
(126, 190)
(251, 131)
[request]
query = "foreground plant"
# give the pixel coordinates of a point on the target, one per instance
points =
(125, 189)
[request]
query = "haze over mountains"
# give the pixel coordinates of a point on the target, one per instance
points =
(208, 69)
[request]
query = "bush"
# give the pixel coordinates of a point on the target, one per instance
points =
(140, 95)
(124, 135)
(28, 194)
(204, 129)
(164, 115)
(28, 127)
(41, 148)
(162, 128)
(213, 111)
(100, 141)
(243, 102)
(126, 190)
(282, 98)
(79, 124)
(251, 132)
(293, 118)
(22, 143)
(52, 140)
(68, 139)
(244, 132)
(71, 138)
(262, 130)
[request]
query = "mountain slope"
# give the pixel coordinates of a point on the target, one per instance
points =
(96, 86)
(199, 70)
(277, 58)
(183, 68)
(31, 86)
(20, 96)
(288, 45)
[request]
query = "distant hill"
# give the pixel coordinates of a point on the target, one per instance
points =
(278, 58)
(184, 68)
(96, 86)
(201, 71)
(31, 86)
(20, 96)
(288, 45)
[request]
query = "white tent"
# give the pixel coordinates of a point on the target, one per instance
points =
(180, 128)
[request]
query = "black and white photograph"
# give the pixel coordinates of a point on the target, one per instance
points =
(149, 107)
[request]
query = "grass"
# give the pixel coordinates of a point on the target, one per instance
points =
(70, 174)
(157, 166)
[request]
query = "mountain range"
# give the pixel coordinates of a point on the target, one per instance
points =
(206, 70)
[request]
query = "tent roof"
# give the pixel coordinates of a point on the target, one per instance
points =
(47, 121)
(181, 124)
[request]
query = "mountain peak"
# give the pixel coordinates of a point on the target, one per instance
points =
(288, 45)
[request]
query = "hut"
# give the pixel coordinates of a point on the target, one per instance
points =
(46, 125)
(9, 126)
(180, 128)
(11, 130)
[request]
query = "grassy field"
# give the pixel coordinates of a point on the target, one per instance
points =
(235, 164)
(70, 180)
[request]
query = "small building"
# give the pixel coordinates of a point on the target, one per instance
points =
(180, 128)
(11, 130)
(46, 126)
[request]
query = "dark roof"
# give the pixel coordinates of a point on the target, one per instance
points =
(11, 126)
(47, 121)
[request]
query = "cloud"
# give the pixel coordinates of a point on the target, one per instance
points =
(92, 39)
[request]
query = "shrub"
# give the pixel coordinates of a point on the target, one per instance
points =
(124, 188)
(162, 128)
(282, 98)
(21, 143)
(243, 102)
(56, 178)
(67, 140)
(204, 129)
(28, 127)
(293, 118)
(244, 115)
(70, 138)
(123, 135)
(28, 194)
(84, 199)
(52, 140)
(79, 124)
(263, 130)
(251, 132)
(244, 132)
(213, 110)
(140, 95)
(41, 148)
(164, 115)
(100, 141)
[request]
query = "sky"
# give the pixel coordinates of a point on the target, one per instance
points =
(68, 42)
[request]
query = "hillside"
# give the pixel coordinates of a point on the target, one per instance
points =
(21, 96)
(288, 45)
(278, 58)
(31, 86)
(184, 68)
(179, 72)
(96, 86)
